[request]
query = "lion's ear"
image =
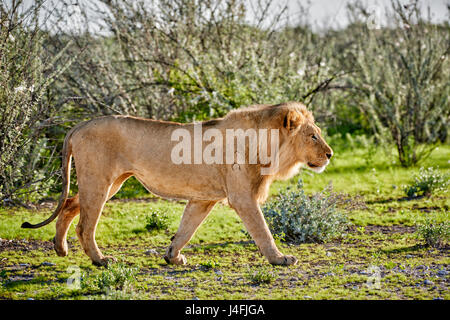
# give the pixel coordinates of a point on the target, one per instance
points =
(292, 120)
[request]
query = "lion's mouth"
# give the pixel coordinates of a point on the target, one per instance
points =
(317, 168)
(312, 165)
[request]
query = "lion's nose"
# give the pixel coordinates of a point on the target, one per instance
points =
(329, 155)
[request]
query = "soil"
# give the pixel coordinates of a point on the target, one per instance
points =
(389, 229)
(25, 245)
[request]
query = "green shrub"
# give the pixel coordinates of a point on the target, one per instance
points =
(427, 181)
(398, 75)
(157, 220)
(262, 275)
(209, 59)
(210, 264)
(116, 277)
(27, 102)
(435, 234)
(297, 218)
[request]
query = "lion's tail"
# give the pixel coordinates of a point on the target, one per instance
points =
(66, 165)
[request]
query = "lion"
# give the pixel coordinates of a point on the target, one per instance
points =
(110, 149)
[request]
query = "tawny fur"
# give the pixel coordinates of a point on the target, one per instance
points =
(109, 150)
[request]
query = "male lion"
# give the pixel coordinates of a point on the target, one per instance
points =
(108, 150)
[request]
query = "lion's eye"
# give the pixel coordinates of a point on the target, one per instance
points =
(314, 137)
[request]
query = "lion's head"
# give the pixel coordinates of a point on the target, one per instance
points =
(306, 139)
(301, 141)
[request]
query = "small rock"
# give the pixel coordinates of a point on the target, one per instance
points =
(218, 272)
(409, 256)
(422, 267)
(195, 298)
(438, 298)
(30, 299)
(24, 264)
(428, 282)
(48, 264)
(307, 297)
(442, 273)
(329, 254)
(151, 251)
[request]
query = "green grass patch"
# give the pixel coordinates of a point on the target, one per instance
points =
(381, 256)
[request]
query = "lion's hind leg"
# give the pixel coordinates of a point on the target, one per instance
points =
(93, 194)
(70, 211)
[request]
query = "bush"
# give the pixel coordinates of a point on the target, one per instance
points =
(427, 181)
(194, 60)
(27, 102)
(296, 218)
(117, 277)
(435, 234)
(157, 220)
(262, 275)
(399, 75)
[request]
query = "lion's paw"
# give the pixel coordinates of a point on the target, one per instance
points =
(179, 260)
(285, 261)
(61, 248)
(105, 261)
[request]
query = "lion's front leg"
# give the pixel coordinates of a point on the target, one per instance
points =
(193, 216)
(248, 210)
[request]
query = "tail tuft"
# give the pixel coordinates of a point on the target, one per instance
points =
(26, 225)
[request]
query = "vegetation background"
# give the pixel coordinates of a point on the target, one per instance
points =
(378, 88)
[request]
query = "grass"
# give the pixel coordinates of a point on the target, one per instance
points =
(380, 256)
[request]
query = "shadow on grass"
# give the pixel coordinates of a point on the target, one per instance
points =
(201, 246)
(195, 248)
(380, 201)
(405, 249)
(17, 281)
